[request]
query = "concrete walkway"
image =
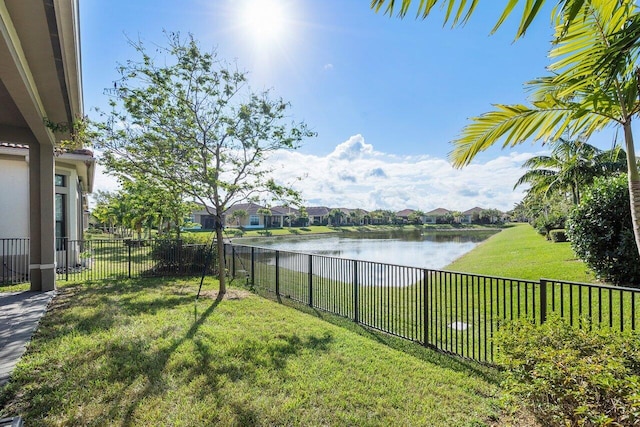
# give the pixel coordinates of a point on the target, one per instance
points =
(20, 313)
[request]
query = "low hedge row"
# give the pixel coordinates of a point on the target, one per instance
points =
(572, 376)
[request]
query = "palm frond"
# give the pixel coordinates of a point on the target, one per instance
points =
(514, 124)
(458, 12)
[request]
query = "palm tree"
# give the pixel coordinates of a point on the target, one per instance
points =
(579, 99)
(336, 215)
(593, 81)
(572, 165)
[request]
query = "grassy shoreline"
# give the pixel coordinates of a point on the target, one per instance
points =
(323, 229)
(520, 252)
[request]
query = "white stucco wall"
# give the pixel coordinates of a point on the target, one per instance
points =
(14, 197)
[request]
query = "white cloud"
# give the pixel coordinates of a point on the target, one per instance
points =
(328, 67)
(353, 148)
(354, 175)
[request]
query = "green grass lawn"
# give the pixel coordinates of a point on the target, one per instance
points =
(521, 252)
(143, 352)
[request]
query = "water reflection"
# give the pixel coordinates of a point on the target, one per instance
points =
(433, 250)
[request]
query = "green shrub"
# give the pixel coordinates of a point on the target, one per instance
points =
(180, 257)
(197, 238)
(554, 220)
(92, 230)
(557, 236)
(601, 233)
(234, 232)
(572, 376)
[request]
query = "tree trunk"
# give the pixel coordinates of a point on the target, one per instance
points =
(634, 182)
(222, 289)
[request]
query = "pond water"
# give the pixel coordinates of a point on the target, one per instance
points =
(432, 250)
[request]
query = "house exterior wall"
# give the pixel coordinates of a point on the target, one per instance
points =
(15, 208)
(14, 197)
(39, 77)
(207, 221)
(251, 221)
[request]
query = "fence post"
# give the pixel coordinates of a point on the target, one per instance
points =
(278, 273)
(425, 307)
(356, 311)
(253, 266)
(233, 260)
(543, 301)
(179, 256)
(66, 256)
(129, 257)
(310, 280)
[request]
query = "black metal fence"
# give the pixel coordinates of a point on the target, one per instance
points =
(453, 312)
(14, 254)
(100, 259)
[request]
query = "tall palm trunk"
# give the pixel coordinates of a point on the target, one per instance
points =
(634, 182)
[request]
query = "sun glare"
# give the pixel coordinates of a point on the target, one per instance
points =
(265, 21)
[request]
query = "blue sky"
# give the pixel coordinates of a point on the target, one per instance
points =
(384, 95)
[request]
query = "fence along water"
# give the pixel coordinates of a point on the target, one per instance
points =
(454, 312)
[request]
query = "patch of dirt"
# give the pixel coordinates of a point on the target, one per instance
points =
(231, 294)
(519, 418)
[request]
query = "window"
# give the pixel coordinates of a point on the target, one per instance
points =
(254, 220)
(60, 215)
(60, 212)
(208, 222)
(60, 180)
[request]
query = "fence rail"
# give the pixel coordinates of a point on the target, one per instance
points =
(115, 258)
(453, 312)
(14, 254)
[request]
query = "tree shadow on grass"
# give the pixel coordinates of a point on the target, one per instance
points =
(134, 368)
(102, 294)
(487, 373)
(239, 361)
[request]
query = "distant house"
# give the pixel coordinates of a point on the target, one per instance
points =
(203, 218)
(287, 216)
(468, 216)
(318, 215)
(253, 219)
(359, 217)
(435, 216)
(403, 215)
